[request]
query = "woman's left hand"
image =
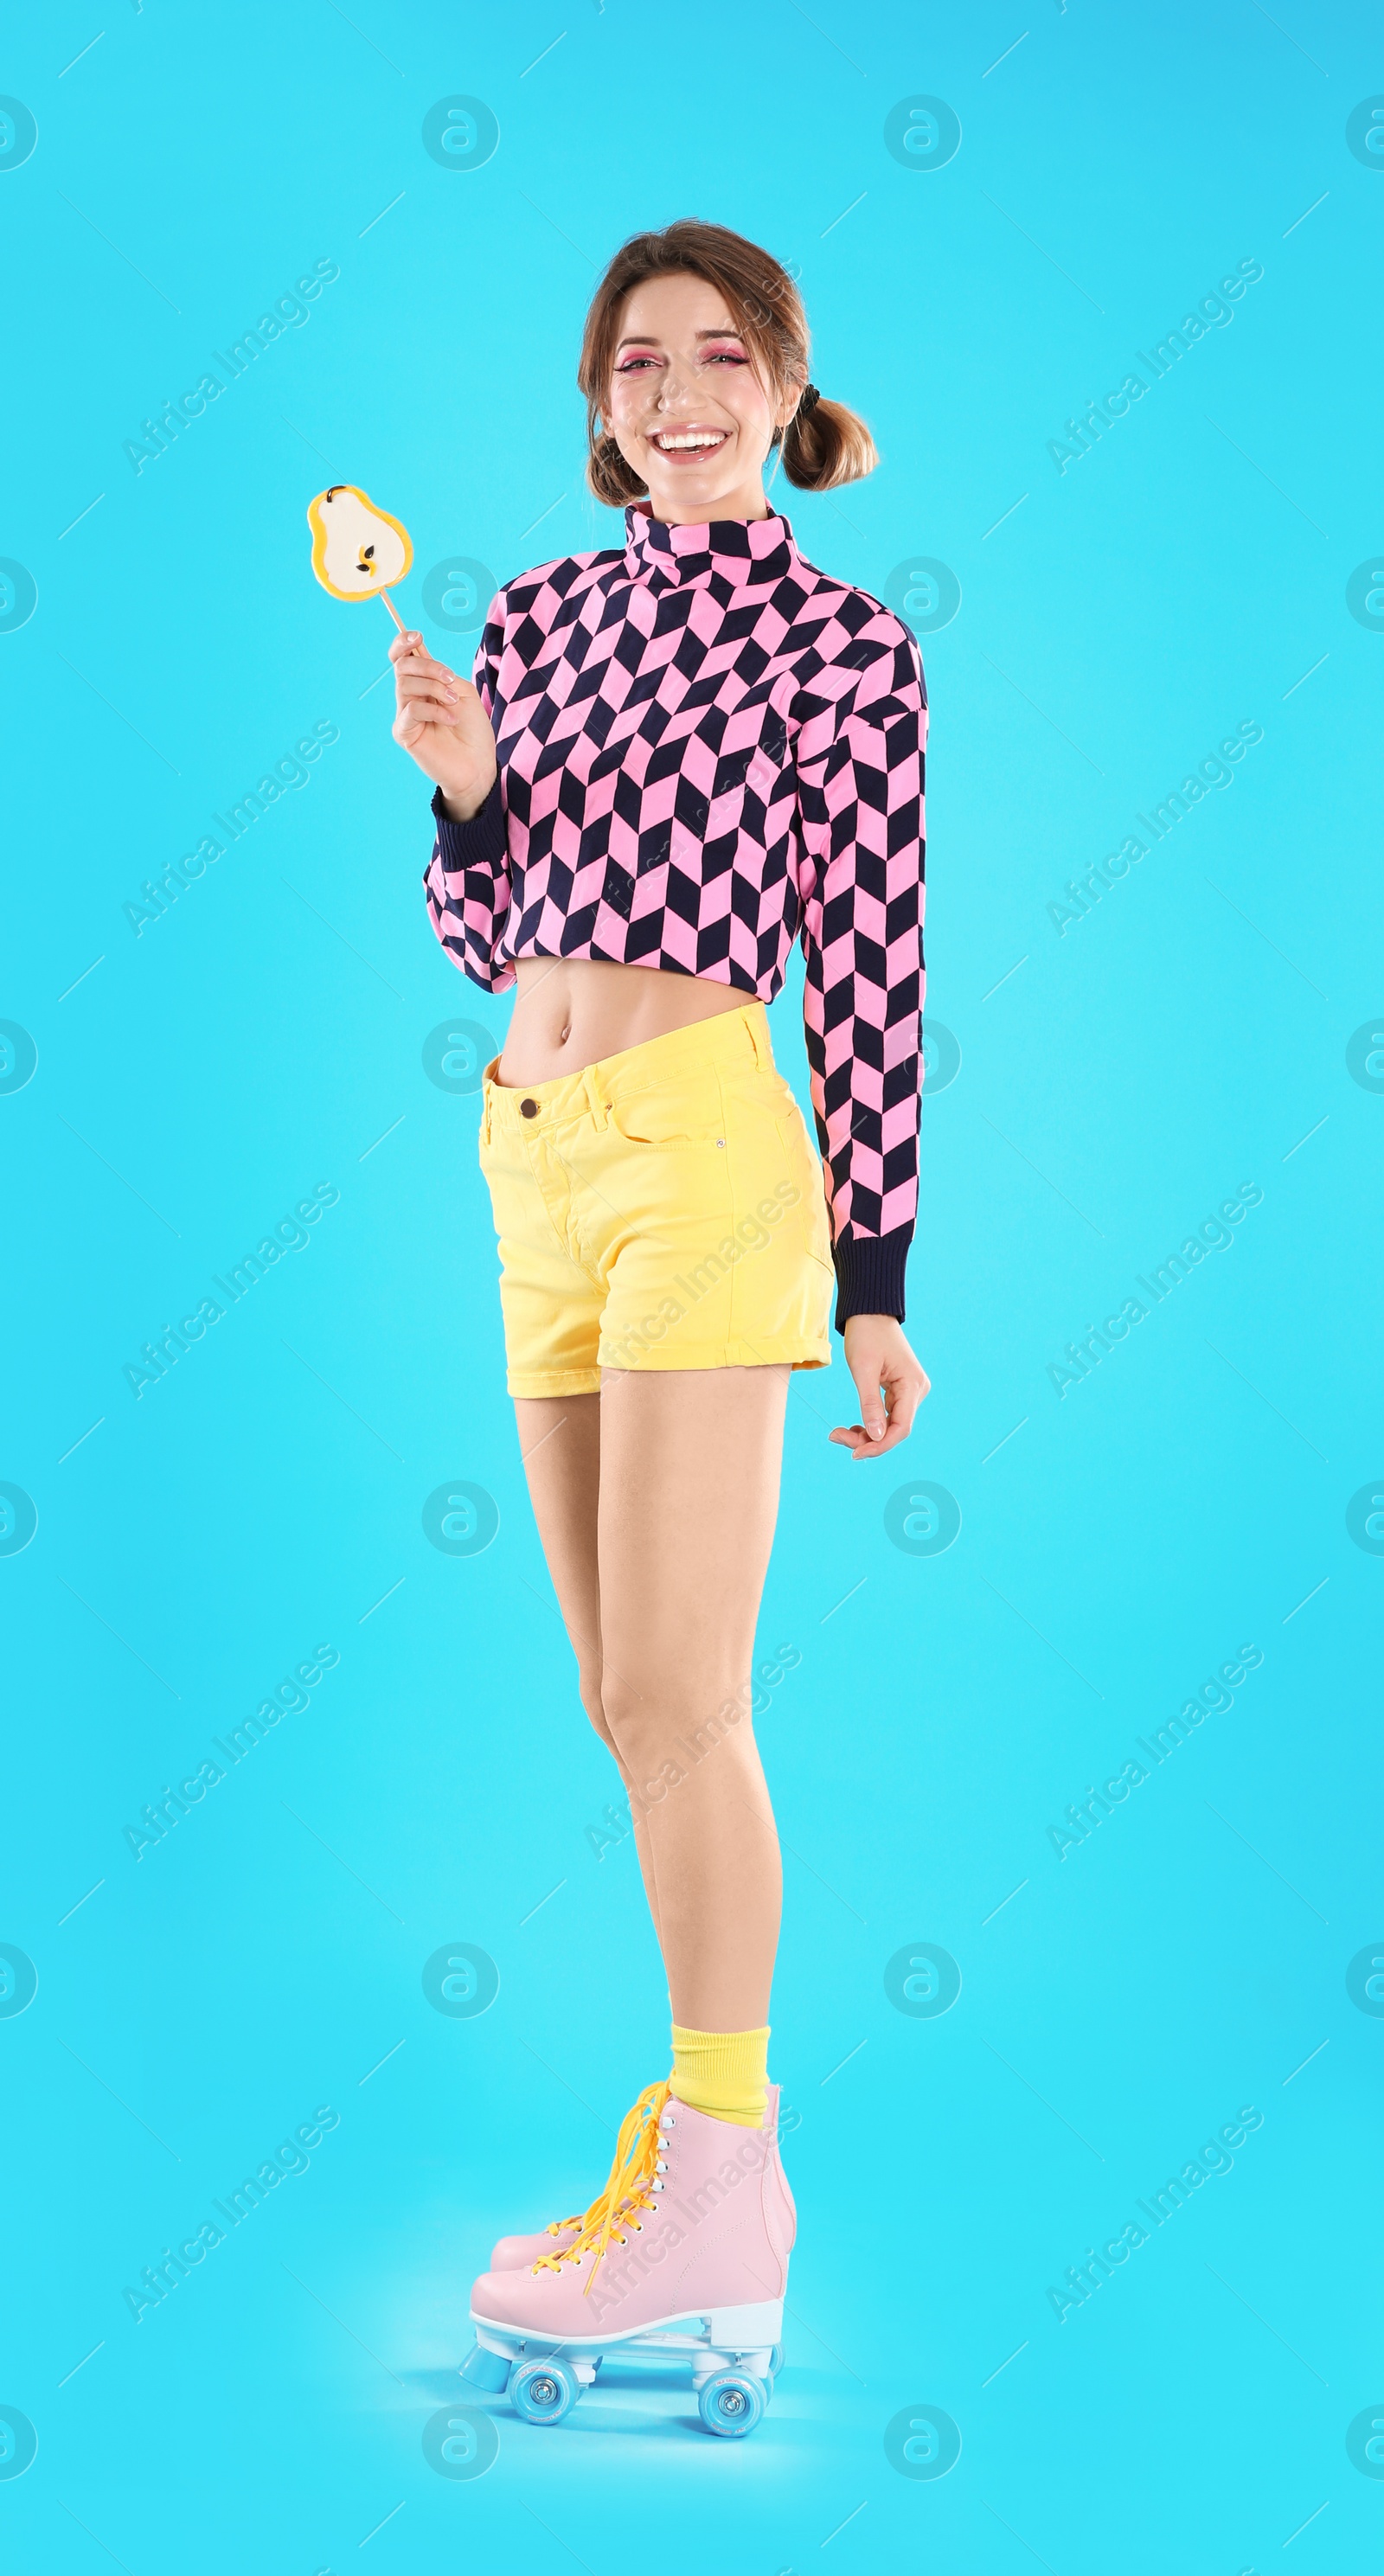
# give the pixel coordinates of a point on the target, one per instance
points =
(878, 1357)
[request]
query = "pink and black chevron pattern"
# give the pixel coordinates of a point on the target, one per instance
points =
(708, 748)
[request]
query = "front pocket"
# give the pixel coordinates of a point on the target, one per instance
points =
(681, 1117)
(675, 1141)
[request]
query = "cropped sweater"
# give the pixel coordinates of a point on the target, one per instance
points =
(708, 748)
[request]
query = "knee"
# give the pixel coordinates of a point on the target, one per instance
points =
(649, 1726)
(592, 1698)
(626, 1715)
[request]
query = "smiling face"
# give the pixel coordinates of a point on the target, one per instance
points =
(687, 406)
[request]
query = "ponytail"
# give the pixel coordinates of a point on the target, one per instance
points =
(610, 477)
(826, 444)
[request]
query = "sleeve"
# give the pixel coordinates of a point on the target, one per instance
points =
(860, 787)
(467, 880)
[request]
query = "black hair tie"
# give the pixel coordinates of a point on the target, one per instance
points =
(807, 404)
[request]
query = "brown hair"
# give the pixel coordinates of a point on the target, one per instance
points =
(824, 443)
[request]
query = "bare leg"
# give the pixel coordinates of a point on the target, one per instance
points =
(688, 1496)
(560, 1438)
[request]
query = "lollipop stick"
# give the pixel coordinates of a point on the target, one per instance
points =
(393, 611)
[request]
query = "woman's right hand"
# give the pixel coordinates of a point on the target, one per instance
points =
(440, 723)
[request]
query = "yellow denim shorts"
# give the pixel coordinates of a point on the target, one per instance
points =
(662, 1209)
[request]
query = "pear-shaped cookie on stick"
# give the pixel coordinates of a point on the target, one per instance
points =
(357, 550)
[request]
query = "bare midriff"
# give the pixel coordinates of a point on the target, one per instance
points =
(574, 1011)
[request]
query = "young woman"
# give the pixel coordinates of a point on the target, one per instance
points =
(679, 754)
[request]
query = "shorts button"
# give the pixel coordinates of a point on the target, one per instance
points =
(528, 1109)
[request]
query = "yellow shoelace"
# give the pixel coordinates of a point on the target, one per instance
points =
(628, 2189)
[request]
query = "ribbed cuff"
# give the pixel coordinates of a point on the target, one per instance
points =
(477, 844)
(870, 1275)
(723, 2073)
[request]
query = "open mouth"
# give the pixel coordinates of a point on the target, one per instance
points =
(688, 444)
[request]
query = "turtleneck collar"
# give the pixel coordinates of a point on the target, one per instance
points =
(744, 553)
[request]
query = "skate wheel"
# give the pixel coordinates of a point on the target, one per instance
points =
(485, 2370)
(775, 2362)
(732, 2403)
(543, 2391)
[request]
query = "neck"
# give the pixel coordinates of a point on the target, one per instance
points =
(747, 504)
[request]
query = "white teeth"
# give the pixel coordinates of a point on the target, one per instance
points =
(666, 438)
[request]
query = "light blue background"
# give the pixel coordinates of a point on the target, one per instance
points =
(1116, 622)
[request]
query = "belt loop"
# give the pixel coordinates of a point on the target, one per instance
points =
(596, 1100)
(487, 1097)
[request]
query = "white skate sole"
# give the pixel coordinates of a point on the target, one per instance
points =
(734, 2355)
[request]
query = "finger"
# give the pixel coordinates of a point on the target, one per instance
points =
(896, 1433)
(904, 1397)
(424, 712)
(413, 674)
(407, 687)
(433, 675)
(406, 652)
(904, 1400)
(409, 727)
(857, 1439)
(426, 691)
(860, 1443)
(874, 1417)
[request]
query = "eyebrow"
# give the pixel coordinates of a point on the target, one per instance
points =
(645, 339)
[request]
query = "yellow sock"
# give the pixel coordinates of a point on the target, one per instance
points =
(722, 2072)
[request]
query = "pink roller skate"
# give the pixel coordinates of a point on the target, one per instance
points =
(684, 2257)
